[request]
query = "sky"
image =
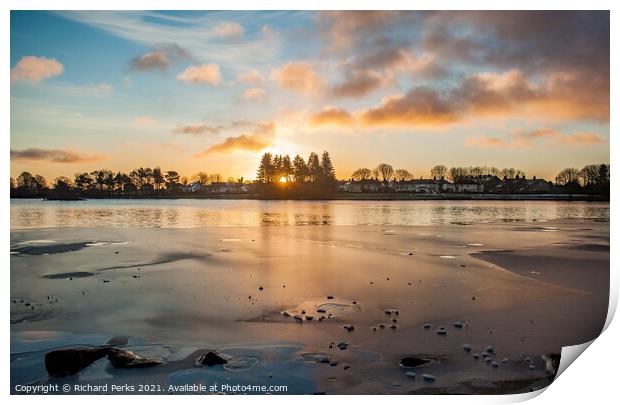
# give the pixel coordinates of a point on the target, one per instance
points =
(213, 91)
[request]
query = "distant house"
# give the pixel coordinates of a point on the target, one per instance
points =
(362, 186)
(191, 187)
(468, 184)
(445, 186)
(227, 187)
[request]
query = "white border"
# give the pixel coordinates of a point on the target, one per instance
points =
(590, 378)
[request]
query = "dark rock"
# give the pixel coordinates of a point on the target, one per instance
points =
(409, 362)
(126, 359)
(60, 363)
(260, 288)
(349, 328)
(330, 297)
(210, 359)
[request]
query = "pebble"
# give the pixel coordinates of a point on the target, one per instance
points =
(346, 366)
(333, 363)
(428, 377)
(458, 324)
(382, 326)
(321, 358)
(410, 374)
(505, 360)
(309, 317)
(260, 288)
(467, 347)
(349, 328)
(330, 297)
(393, 327)
(343, 345)
(442, 331)
(490, 349)
(286, 314)
(531, 367)
(427, 326)
(476, 356)
(495, 364)
(298, 318)
(106, 281)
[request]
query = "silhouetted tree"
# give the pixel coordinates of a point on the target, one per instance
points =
(300, 169)
(439, 171)
(567, 176)
(361, 174)
(386, 171)
(402, 174)
(171, 177)
(314, 167)
(266, 170)
(158, 178)
(328, 173)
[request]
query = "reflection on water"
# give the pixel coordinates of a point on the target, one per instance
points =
(192, 213)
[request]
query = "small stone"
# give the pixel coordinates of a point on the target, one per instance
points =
(298, 318)
(393, 327)
(333, 363)
(321, 310)
(330, 297)
(382, 326)
(467, 347)
(210, 359)
(260, 288)
(346, 366)
(428, 377)
(106, 281)
(303, 312)
(286, 314)
(505, 360)
(349, 328)
(495, 364)
(476, 356)
(427, 326)
(309, 317)
(458, 324)
(532, 366)
(490, 349)
(410, 374)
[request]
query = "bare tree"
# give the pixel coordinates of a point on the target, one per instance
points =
(386, 171)
(361, 174)
(439, 171)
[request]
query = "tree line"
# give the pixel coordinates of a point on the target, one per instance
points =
(278, 168)
(106, 182)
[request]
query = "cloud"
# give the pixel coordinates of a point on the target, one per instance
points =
(262, 137)
(198, 129)
(204, 74)
(359, 83)
(143, 120)
(528, 139)
(420, 106)
(344, 29)
(52, 155)
(332, 116)
(229, 30)
(160, 59)
(35, 69)
(298, 76)
(251, 76)
(479, 95)
(269, 32)
(254, 93)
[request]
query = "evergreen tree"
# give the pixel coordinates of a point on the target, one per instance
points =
(327, 168)
(265, 173)
(314, 167)
(300, 169)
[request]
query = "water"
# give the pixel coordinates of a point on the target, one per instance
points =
(33, 214)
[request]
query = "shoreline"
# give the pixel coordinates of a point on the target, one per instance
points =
(352, 197)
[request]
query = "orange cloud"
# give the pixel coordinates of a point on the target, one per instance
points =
(262, 137)
(35, 69)
(204, 74)
(420, 106)
(251, 76)
(254, 93)
(197, 129)
(358, 84)
(298, 76)
(144, 120)
(332, 116)
(52, 155)
(159, 59)
(525, 139)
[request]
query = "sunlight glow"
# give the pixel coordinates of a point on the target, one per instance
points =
(283, 179)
